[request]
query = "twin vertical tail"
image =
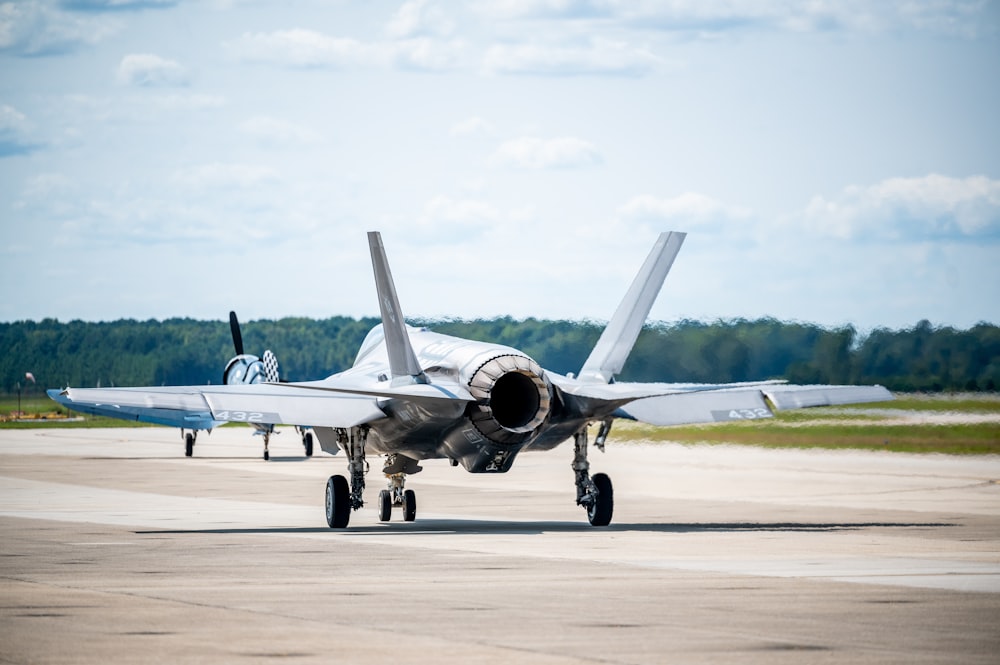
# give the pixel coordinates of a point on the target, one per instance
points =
(403, 363)
(616, 342)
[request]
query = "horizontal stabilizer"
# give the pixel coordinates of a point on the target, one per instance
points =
(699, 407)
(800, 397)
(278, 404)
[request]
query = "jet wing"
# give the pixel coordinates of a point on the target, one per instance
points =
(185, 406)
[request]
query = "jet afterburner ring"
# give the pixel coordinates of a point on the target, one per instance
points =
(513, 398)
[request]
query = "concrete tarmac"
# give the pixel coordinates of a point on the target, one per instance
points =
(114, 547)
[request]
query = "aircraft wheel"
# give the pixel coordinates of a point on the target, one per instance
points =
(599, 513)
(338, 502)
(307, 441)
(188, 444)
(267, 456)
(409, 505)
(384, 505)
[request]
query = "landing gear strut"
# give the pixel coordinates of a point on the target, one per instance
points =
(595, 493)
(342, 498)
(189, 441)
(395, 470)
(307, 439)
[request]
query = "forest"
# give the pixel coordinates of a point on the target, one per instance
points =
(192, 352)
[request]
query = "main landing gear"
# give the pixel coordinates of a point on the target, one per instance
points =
(596, 493)
(307, 439)
(189, 440)
(341, 497)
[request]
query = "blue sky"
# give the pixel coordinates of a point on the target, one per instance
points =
(832, 162)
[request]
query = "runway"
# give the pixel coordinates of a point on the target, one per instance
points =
(114, 547)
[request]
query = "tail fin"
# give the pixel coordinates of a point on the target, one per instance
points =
(612, 349)
(403, 363)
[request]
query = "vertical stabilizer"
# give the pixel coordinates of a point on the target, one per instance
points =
(612, 349)
(403, 363)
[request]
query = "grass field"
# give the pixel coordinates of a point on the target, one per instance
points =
(964, 424)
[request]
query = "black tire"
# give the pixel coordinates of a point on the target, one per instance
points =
(338, 502)
(384, 506)
(409, 506)
(600, 512)
(267, 455)
(188, 445)
(307, 441)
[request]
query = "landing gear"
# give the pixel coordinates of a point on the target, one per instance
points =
(343, 497)
(395, 470)
(267, 438)
(338, 502)
(189, 441)
(307, 439)
(595, 494)
(409, 506)
(384, 506)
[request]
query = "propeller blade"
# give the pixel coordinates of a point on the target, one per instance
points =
(234, 325)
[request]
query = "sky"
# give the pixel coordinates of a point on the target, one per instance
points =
(832, 162)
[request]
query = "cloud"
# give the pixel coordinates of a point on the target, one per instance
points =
(309, 49)
(536, 153)
(278, 132)
(149, 70)
(929, 207)
(300, 48)
(419, 18)
(474, 126)
(116, 5)
(550, 9)
(600, 58)
(15, 133)
(686, 211)
(963, 18)
(228, 176)
(34, 28)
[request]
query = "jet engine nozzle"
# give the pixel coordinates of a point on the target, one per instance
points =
(513, 398)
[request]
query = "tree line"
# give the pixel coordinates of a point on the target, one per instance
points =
(191, 352)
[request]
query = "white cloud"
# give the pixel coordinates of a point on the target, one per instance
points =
(599, 58)
(964, 18)
(147, 69)
(425, 54)
(34, 28)
(311, 49)
(420, 18)
(218, 175)
(932, 206)
(14, 130)
(535, 153)
(276, 131)
(300, 48)
(686, 211)
(474, 126)
(559, 9)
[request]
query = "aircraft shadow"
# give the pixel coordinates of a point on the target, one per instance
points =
(456, 527)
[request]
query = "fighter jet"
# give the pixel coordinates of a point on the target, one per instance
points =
(414, 395)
